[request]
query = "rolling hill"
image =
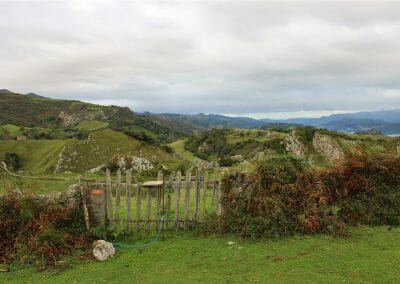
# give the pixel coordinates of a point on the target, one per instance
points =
(35, 111)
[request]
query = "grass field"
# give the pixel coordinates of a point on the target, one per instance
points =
(37, 156)
(368, 255)
(179, 147)
(91, 125)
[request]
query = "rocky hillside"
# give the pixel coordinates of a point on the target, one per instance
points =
(110, 148)
(319, 147)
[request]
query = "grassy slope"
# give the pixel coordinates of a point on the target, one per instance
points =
(369, 255)
(105, 144)
(179, 148)
(91, 125)
(37, 156)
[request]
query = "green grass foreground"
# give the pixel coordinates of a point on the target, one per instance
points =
(368, 255)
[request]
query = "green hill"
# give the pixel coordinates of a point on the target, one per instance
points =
(37, 156)
(39, 112)
(320, 147)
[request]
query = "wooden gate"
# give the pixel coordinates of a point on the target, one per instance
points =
(173, 203)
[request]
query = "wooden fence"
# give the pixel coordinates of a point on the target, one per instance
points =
(177, 202)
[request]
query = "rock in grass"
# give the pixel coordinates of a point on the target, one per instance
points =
(103, 250)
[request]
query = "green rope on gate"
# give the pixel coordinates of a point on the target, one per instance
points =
(155, 238)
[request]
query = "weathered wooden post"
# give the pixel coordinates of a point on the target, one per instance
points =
(160, 178)
(138, 206)
(177, 199)
(110, 215)
(197, 194)
(148, 210)
(214, 186)
(128, 189)
(187, 197)
(205, 193)
(168, 210)
(118, 197)
(96, 200)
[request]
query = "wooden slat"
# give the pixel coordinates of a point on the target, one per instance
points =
(214, 186)
(205, 186)
(110, 215)
(153, 183)
(219, 206)
(158, 203)
(168, 211)
(138, 206)
(177, 198)
(197, 195)
(148, 209)
(118, 197)
(128, 189)
(187, 198)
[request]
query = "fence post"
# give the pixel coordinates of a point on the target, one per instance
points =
(197, 194)
(214, 186)
(205, 193)
(148, 209)
(219, 205)
(84, 203)
(160, 177)
(118, 197)
(128, 188)
(110, 215)
(177, 198)
(138, 206)
(168, 211)
(187, 197)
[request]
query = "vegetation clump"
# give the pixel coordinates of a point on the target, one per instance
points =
(39, 233)
(282, 197)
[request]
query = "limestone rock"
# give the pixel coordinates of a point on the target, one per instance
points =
(103, 250)
(237, 158)
(136, 163)
(74, 119)
(199, 163)
(96, 169)
(327, 146)
(294, 145)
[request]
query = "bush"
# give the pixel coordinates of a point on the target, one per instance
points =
(13, 161)
(37, 232)
(282, 198)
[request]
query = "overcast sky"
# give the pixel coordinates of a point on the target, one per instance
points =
(240, 58)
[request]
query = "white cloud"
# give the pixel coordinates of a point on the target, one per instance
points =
(212, 57)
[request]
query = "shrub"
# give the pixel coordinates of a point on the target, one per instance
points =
(282, 197)
(37, 232)
(13, 161)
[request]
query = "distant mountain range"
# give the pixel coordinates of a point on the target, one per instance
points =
(33, 108)
(385, 121)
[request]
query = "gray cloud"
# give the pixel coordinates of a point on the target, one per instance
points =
(213, 57)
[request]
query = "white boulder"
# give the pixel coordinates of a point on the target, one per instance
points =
(103, 250)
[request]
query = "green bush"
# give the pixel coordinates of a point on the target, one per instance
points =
(38, 232)
(282, 197)
(13, 161)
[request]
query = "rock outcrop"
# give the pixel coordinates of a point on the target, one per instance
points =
(74, 119)
(328, 147)
(294, 145)
(135, 163)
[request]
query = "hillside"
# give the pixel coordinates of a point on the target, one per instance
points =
(104, 146)
(319, 147)
(51, 114)
(37, 156)
(201, 122)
